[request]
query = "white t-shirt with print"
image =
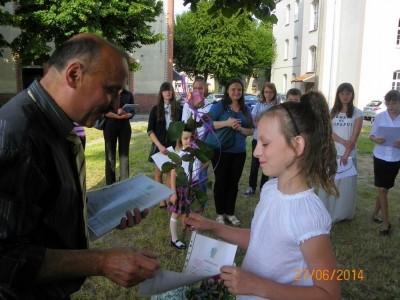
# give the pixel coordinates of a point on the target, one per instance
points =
(343, 127)
(281, 223)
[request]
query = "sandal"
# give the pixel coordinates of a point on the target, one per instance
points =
(385, 231)
(377, 219)
(178, 245)
(233, 220)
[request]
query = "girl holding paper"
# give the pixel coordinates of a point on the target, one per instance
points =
(288, 242)
(346, 125)
(386, 158)
(161, 115)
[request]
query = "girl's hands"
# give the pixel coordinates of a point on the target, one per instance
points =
(173, 199)
(239, 282)
(344, 159)
(162, 149)
(232, 122)
(378, 140)
(198, 222)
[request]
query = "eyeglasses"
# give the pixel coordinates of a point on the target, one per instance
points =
(291, 119)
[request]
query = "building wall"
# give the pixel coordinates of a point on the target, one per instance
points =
(356, 43)
(155, 61)
(380, 55)
(282, 32)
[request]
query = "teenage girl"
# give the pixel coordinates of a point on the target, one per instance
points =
(288, 243)
(161, 115)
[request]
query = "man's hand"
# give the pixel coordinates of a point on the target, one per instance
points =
(127, 267)
(132, 219)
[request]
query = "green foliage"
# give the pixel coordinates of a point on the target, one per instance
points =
(175, 130)
(226, 47)
(44, 22)
(261, 9)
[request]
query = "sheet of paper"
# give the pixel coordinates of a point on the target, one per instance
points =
(206, 255)
(165, 281)
(160, 158)
(204, 259)
(107, 205)
(347, 170)
(391, 135)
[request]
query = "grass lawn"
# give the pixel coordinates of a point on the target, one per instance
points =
(357, 244)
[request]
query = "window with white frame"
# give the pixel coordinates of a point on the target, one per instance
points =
(295, 44)
(296, 10)
(314, 13)
(286, 50)
(284, 83)
(396, 80)
(398, 35)
(312, 59)
(287, 15)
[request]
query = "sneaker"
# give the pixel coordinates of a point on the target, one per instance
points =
(178, 244)
(233, 220)
(220, 219)
(250, 191)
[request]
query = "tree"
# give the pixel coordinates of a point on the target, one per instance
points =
(225, 47)
(261, 9)
(44, 22)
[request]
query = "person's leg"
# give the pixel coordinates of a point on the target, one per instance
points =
(220, 164)
(383, 201)
(173, 226)
(255, 165)
(237, 161)
(110, 139)
(124, 139)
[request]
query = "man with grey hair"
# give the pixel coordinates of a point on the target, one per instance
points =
(43, 231)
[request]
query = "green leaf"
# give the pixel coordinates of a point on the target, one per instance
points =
(181, 178)
(205, 149)
(187, 157)
(167, 167)
(175, 158)
(175, 130)
(191, 124)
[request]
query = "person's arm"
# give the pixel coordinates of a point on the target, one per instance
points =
(319, 257)
(124, 266)
(234, 235)
(339, 140)
(151, 126)
(374, 131)
(121, 115)
(353, 139)
(245, 131)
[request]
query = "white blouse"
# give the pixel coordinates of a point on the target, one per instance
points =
(343, 127)
(281, 223)
(387, 153)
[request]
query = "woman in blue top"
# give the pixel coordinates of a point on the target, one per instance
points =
(228, 163)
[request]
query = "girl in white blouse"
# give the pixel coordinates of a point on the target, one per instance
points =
(288, 245)
(386, 158)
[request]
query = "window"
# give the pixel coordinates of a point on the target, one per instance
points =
(286, 50)
(312, 59)
(396, 80)
(296, 10)
(284, 83)
(287, 15)
(293, 78)
(398, 35)
(314, 15)
(295, 43)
